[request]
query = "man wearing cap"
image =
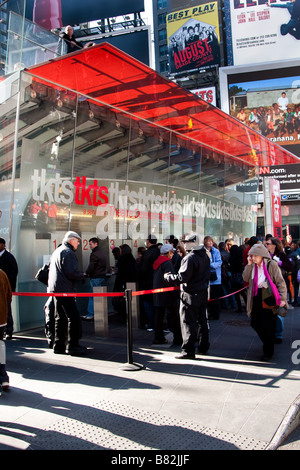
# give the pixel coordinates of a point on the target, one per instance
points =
(193, 277)
(63, 274)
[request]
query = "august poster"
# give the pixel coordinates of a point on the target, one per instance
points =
(193, 38)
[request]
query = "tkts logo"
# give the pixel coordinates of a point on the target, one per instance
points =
(60, 190)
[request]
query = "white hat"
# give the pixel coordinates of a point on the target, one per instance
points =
(192, 238)
(70, 235)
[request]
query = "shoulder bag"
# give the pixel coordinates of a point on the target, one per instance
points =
(43, 274)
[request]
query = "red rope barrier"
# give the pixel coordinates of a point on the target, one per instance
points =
(108, 294)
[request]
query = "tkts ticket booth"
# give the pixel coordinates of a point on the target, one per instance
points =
(99, 143)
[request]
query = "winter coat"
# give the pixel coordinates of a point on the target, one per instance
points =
(64, 272)
(236, 266)
(286, 265)
(9, 265)
(98, 264)
(275, 275)
(145, 267)
(194, 272)
(126, 272)
(161, 266)
(5, 297)
(215, 264)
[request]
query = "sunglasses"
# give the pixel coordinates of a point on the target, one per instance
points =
(269, 243)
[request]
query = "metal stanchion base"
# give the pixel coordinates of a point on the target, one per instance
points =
(129, 367)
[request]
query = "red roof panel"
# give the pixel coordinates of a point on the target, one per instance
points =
(110, 76)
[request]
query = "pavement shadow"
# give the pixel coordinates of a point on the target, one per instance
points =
(80, 427)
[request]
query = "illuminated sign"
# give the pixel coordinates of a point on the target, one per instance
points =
(193, 37)
(126, 202)
(276, 208)
(258, 31)
(206, 94)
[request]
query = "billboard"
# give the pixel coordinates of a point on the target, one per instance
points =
(52, 14)
(193, 38)
(207, 94)
(136, 44)
(287, 175)
(266, 97)
(261, 31)
(272, 206)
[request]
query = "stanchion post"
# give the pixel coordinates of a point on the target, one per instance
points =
(134, 305)
(100, 312)
(128, 298)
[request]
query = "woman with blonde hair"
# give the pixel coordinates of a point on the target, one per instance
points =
(181, 250)
(266, 290)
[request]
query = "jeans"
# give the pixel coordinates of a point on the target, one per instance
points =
(94, 283)
(279, 327)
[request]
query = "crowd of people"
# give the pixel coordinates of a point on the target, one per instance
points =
(211, 278)
(280, 119)
(261, 277)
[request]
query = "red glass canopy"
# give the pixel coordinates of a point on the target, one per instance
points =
(112, 77)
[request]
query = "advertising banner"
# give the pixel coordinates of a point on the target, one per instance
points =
(119, 211)
(276, 208)
(262, 31)
(266, 98)
(207, 94)
(287, 175)
(271, 107)
(193, 38)
(272, 207)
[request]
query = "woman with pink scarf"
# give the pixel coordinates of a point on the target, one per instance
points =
(263, 275)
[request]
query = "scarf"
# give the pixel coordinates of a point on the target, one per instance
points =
(273, 286)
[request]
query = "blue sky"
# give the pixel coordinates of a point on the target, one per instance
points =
(285, 82)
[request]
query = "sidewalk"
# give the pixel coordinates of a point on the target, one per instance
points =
(226, 400)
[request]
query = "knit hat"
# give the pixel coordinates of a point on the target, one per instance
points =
(260, 250)
(166, 248)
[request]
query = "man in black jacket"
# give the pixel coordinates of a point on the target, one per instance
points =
(9, 265)
(63, 274)
(193, 277)
(96, 271)
(145, 272)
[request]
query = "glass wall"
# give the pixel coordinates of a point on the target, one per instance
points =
(78, 164)
(29, 44)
